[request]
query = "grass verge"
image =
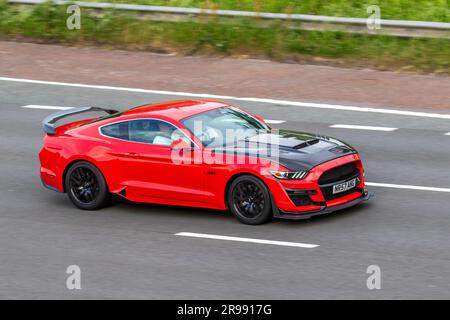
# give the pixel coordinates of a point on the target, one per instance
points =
(426, 10)
(126, 31)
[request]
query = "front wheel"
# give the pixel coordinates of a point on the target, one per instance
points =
(249, 200)
(86, 186)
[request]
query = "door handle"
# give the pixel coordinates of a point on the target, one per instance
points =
(132, 154)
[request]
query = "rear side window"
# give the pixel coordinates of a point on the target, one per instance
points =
(117, 130)
(150, 131)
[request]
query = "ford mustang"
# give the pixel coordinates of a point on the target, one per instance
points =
(199, 153)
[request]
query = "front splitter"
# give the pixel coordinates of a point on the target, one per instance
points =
(324, 210)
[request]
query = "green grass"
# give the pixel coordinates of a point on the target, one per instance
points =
(123, 30)
(426, 10)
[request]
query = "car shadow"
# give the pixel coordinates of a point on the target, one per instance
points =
(340, 215)
(201, 213)
(160, 209)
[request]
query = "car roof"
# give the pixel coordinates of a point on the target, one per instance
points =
(176, 110)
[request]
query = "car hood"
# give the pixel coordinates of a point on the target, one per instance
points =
(297, 151)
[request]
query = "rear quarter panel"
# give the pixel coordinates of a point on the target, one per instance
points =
(78, 144)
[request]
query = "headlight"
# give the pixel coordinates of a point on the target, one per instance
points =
(289, 175)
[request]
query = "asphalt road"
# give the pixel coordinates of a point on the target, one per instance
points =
(131, 251)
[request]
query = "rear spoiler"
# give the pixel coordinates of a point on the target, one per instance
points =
(48, 124)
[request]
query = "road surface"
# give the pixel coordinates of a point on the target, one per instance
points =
(131, 251)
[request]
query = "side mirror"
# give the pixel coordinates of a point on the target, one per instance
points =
(180, 144)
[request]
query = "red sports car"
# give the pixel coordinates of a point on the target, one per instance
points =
(199, 153)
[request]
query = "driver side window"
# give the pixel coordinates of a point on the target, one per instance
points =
(153, 131)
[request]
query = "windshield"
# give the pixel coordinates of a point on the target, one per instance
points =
(224, 126)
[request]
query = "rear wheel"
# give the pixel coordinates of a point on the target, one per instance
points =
(86, 186)
(249, 200)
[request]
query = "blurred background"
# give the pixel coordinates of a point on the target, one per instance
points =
(418, 47)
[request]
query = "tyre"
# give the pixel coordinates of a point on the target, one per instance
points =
(86, 186)
(249, 200)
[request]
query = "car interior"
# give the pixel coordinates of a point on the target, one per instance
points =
(146, 131)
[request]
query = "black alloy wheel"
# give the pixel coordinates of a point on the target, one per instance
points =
(86, 186)
(249, 200)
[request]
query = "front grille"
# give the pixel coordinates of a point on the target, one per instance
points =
(338, 175)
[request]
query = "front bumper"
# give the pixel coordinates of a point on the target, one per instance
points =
(323, 210)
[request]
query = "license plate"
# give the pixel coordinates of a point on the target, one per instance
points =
(341, 187)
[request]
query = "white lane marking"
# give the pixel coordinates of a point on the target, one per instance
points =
(34, 106)
(274, 121)
(355, 127)
(218, 237)
(401, 186)
(260, 100)
(447, 134)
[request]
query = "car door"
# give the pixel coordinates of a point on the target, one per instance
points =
(149, 171)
